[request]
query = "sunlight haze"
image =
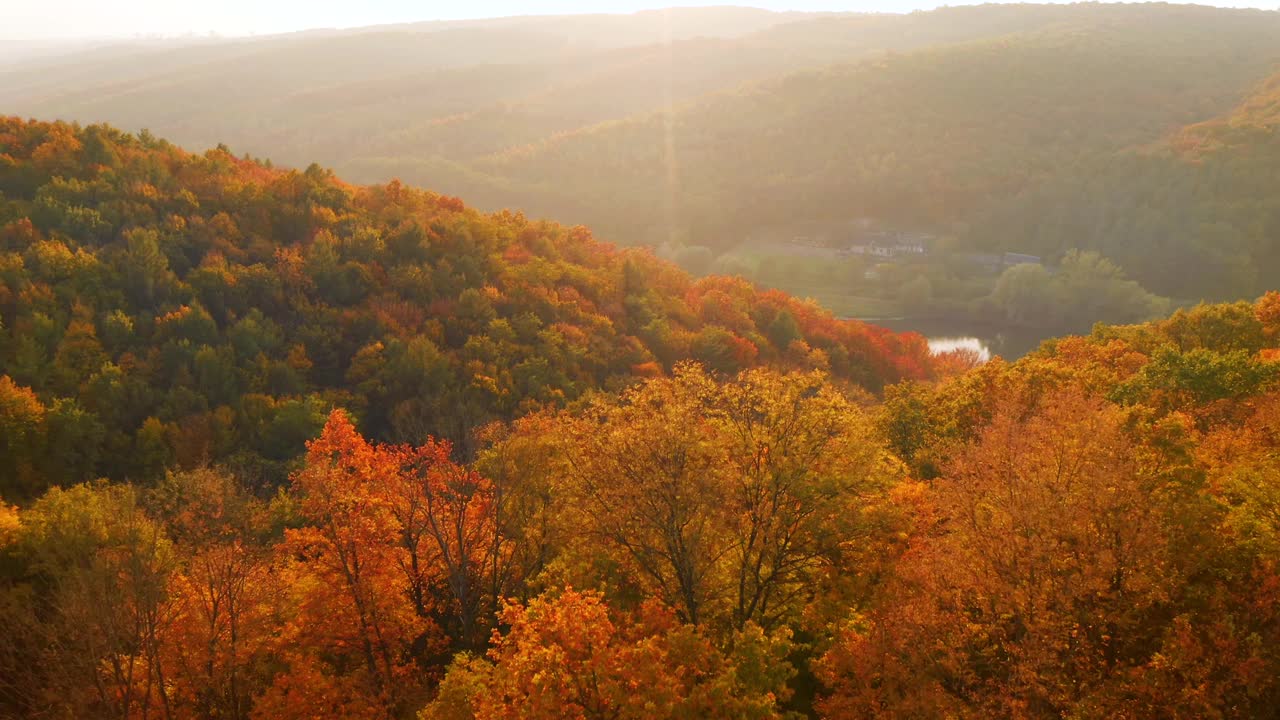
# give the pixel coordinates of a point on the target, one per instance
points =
(95, 19)
(639, 359)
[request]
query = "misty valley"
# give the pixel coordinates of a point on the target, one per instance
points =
(377, 361)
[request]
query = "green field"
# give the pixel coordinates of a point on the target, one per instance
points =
(845, 304)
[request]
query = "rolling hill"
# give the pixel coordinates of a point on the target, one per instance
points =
(1191, 215)
(1036, 129)
(925, 138)
(159, 307)
(441, 103)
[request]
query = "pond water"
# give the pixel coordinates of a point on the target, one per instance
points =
(987, 340)
(939, 345)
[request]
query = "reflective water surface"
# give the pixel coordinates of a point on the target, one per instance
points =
(988, 340)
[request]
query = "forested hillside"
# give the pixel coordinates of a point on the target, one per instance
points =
(159, 308)
(1192, 215)
(1034, 129)
(275, 445)
(340, 96)
(923, 139)
(1089, 532)
(412, 100)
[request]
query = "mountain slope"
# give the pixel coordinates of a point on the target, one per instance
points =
(1193, 215)
(158, 307)
(201, 92)
(426, 101)
(928, 137)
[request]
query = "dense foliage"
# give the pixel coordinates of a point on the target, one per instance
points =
(1100, 536)
(1192, 217)
(546, 478)
(1088, 532)
(1036, 129)
(923, 138)
(276, 446)
(159, 308)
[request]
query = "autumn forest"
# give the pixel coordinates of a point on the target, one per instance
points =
(275, 443)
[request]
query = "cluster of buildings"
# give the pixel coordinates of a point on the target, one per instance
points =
(892, 244)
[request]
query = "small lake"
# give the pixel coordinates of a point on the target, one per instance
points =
(987, 340)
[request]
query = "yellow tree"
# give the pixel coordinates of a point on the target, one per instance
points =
(644, 485)
(802, 460)
(1047, 586)
(725, 500)
(87, 630)
(570, 657)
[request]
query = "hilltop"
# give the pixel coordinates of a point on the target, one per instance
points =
(159, 307)
(716, 134)
(1190, 214)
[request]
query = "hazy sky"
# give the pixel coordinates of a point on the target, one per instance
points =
(45, 19)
